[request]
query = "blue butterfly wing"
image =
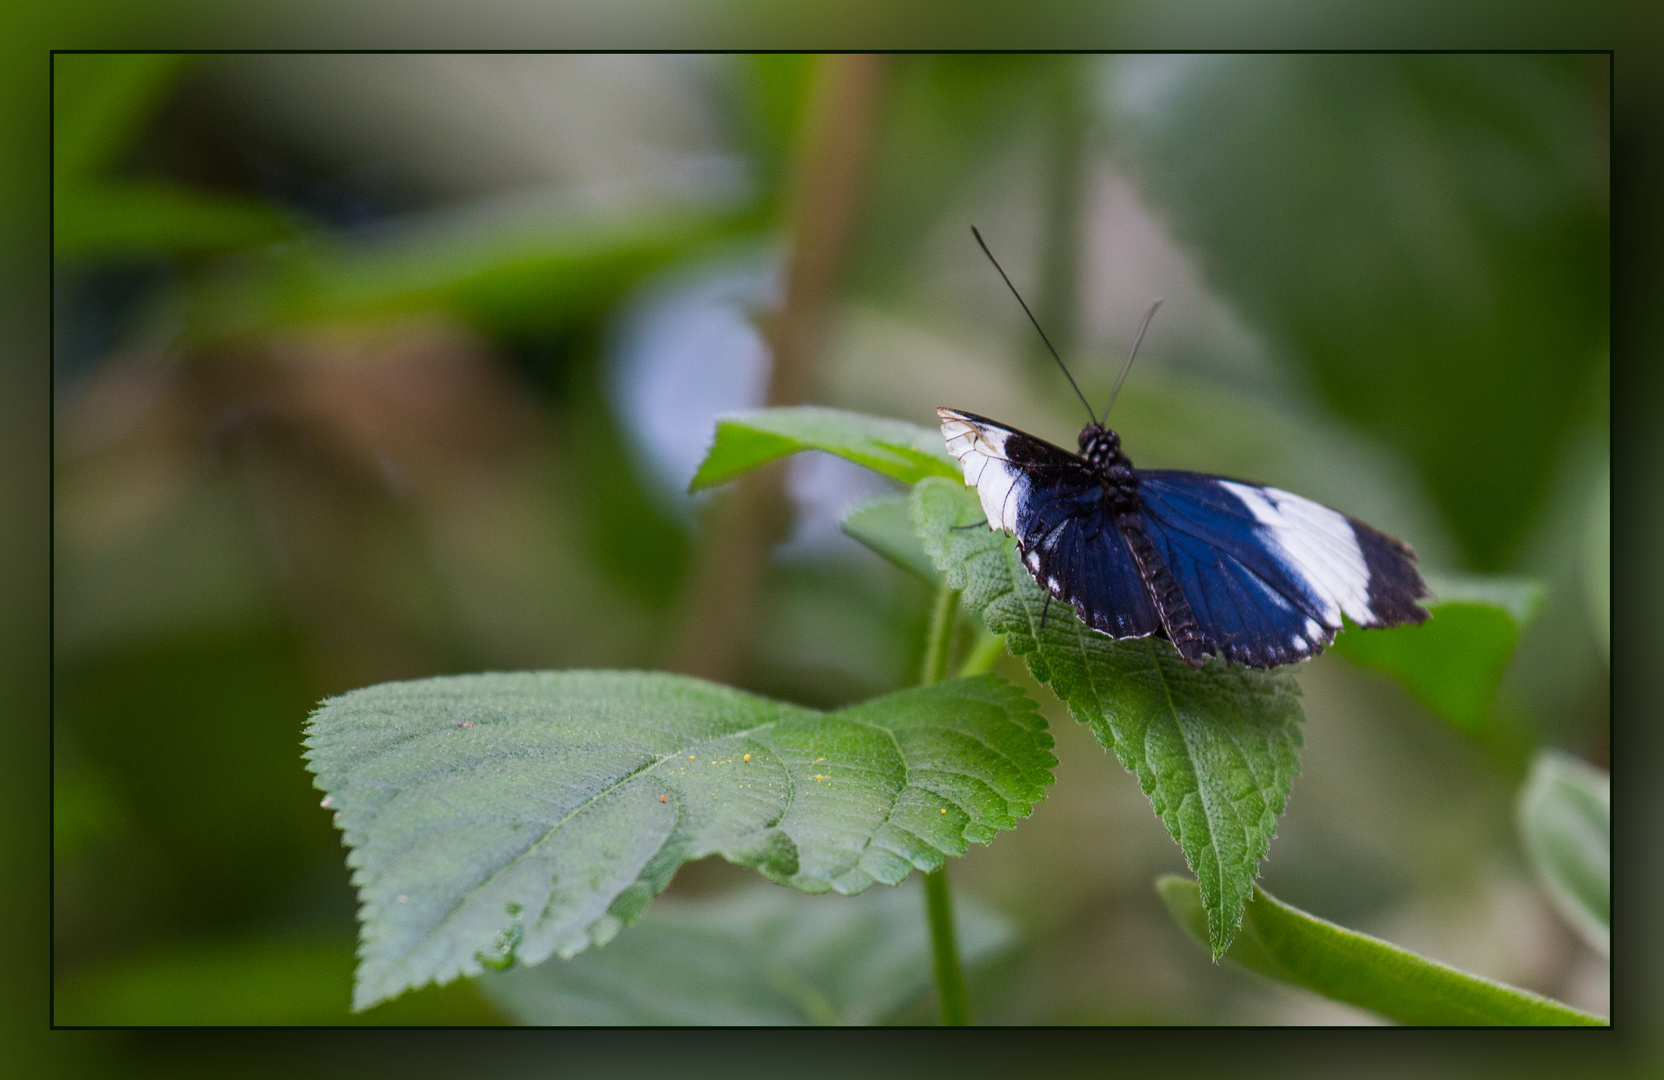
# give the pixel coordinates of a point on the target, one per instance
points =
(1267, 574)
(1075, 550)
(1053, 503)
(1253, 574)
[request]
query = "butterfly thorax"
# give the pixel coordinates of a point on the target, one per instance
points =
(1101, 448)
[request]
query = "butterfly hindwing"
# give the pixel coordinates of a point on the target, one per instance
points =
(1077, 553)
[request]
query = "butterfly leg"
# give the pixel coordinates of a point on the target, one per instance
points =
(1043, 610)
(972, 525)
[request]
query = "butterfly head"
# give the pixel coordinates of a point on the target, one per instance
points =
(1102, 447)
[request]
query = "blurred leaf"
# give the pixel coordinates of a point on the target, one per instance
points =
(1453, 662)
(895, 448)
(194, 734)
(1426, 235)
(757, 956)
(1598, 561)
(630, 536)
(1521, 598)
(460, 797)
(511, 268)
(776, 100)
(85, 812)
(1214, 747)
(264, 982)
(885, 524)
(948, 122)
(151, 216)
(1565, 819)
(98, 102)
(1286, 944)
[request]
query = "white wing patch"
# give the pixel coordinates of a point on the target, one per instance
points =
(980, 449)
(1318, 546)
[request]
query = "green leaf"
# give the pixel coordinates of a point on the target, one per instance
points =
(1598, 561)
(1565, 819)
(1287, 944)
(99, 101)
(1453, 662)
(494, 818)
(895, 448)
(885, 524)
(138, 217)
(1214, 748)
(760, 955)
(513, 268)
(264, 981)
(1426, 237)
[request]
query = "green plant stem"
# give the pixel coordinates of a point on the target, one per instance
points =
(987, 649)
(950, 980)
(941, 635)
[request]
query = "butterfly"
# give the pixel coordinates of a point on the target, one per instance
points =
(1219, 567)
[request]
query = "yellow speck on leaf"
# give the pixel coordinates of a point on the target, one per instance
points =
(690, 757)
(666, 798)
(748, 757)
(944, 809)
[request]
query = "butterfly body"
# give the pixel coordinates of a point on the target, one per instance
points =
(1219, 567)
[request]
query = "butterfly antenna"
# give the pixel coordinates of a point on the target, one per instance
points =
(1089, 413)
(1139, 340)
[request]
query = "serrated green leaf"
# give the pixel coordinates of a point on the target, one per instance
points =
(1214, 748)
(1284, 943)
(885, 524)
(900, 450)
(760, 955)
(1453, 662)
(494, 818)
(1565, 819)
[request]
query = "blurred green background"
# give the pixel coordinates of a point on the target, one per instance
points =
(379, 367)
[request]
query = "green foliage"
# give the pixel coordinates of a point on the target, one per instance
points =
(895, 448)
(948, 121)
(145, 216)
(1286, 944)
(1598, 561)
(1565, 820)
(1214, 748)
(495, 818)
(512, 270)
(1454, 662)
(1353, 210)
(776, 95)
(214, 714)
(98, 102)
(266, 981)
(885, 524)
(754, 956)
